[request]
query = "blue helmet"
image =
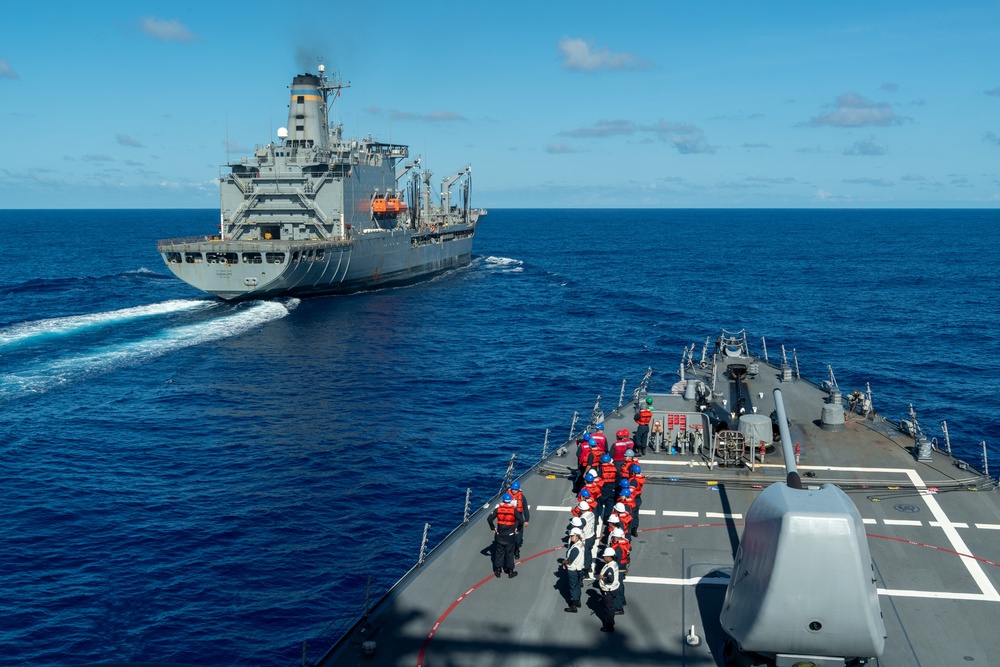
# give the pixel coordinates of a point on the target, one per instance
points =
(507, 497)
(516, 486)
(600, 427)
(584, 493)
(590, 476)
(605, 459)
(624, 483)
(636, 470)
(586, 436)
(627, 493)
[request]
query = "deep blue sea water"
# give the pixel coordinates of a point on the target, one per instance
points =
(193, 481)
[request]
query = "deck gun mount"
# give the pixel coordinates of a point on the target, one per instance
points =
(803, 586)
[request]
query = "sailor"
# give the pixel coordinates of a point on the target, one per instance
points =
(624, 515)
(614, 521)
(586, 458)
(574, 566)
(609, 481)
(585, 513)
(505, 522)
(635, 483)
(623, 554)
(521, 504)
(630, 460)
(622, 445)
(599, 439)
(585, 497)
(629, 516)
(609, 582)
(642, 418)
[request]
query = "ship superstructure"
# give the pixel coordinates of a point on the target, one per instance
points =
(318, 213)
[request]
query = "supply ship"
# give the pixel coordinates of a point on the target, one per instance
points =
(784, 523)
(317, 213)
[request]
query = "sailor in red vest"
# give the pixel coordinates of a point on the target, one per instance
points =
(593, 484)
(629, 463)
(505, 522)
(623, 554)
(587, 457)
(635, 483)
(624, 517)
(599, 439)
(642, 418)
(622, 445)
(521, 504)
(609, 480)
(586, 497)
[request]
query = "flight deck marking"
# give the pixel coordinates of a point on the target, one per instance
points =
(902, 522)
(958, 544)
(988, 526)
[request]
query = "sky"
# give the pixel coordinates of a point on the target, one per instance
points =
(555, 105)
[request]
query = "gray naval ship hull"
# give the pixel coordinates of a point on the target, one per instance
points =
(268, 269)
(318, 213)
(930, 522)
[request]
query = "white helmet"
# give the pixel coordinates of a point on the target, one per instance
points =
(614, 519)
(618, 532)
(619, 507)
(584, 506)
(577, 532)
(576, 521)
(609, 552)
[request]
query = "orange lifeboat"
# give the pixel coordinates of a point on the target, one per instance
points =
(388, 206)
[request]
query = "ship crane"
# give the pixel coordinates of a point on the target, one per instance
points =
(446, 184)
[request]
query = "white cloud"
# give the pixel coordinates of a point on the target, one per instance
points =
(685, 137)
(560, 148)
(6, 72)
(166, 31)
(126, 140)
(603, 128)
(581, 55)
(865, 147)
(853, 110)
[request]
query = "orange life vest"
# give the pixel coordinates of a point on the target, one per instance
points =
(609, 473)
(626, 548)
(644, 417)
(518, 498)
(506, 515)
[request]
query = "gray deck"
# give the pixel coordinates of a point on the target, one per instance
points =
(935, 556)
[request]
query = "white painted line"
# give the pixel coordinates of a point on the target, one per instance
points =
(869, 521)
(671, 581)
(552, 508)
(938, 524)
(721, 515)
(988, 526)
(679, 513)
(957, 543)
(901, 522)
(724, 581)
(653, 512)
(940, 595)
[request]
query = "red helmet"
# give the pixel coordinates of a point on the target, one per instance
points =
(622, 433)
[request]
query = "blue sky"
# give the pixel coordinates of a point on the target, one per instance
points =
(583, 104)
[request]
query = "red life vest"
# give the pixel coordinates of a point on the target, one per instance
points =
(618, 451)
(626, 549)
(591, 501)
(628, 502)
(506, 515)
(626, 520)
(636, 488)
(594, 487)
(644, 417)
(609, 473)
(600, 441)
(585, 450)
(518, 498)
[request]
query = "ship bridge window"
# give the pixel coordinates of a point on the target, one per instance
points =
(174, 257)
(193, 257)
(301, 99)
(222, 257)
(275, 257)
(251, 258)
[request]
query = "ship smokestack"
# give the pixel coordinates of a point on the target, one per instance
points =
(307, 113)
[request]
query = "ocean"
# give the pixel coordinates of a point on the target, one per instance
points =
(187, 480)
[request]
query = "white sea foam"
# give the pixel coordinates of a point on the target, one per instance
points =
(504, 264)
(64, 370)
(61, 326)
